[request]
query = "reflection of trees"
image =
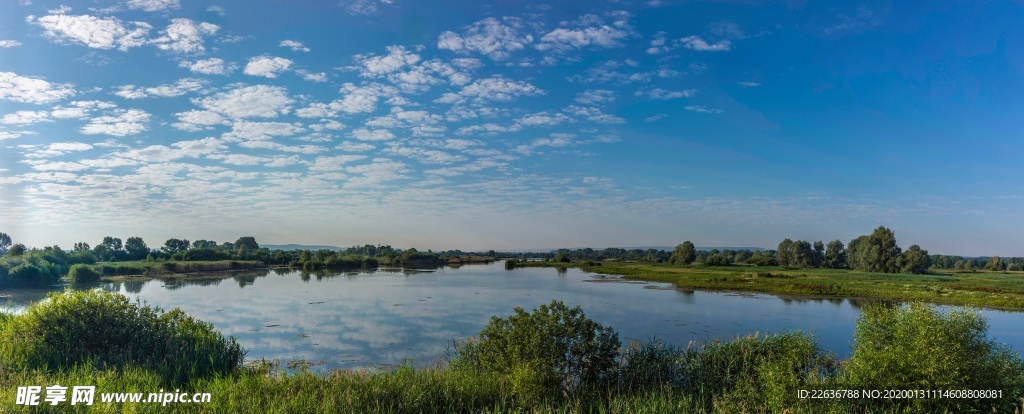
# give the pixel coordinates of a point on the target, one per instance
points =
(243, 277)
(134, 286)
(562, 270)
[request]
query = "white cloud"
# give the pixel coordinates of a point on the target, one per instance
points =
(198, 120)
(702, 109)
(125, 122)
(749, 84)
(9, 43)
(79, 109)
(93, 32)
(69, 146)
(543, 119)
(26, 118)
(364, 134)
(270, 145)
(494, 38)
(424, 155)
(588, 31)
(594, 114)
(334, 163)
(653, 118)
(365, 7)
(245, 130)
(185, 36)
(370, 65)
(316, 110)
(361, 99)
(178, 88)
(354, 146)
(261, 101)
(267, 66)
(199, 148)
(153, 5)
(217, 9)
(10, 135)
(595, 97)
(701, 45)
(496, 89)
(665, 95)
(212, 66)
(379, 171)
(17, 88)
(312, 77)
(294, 45)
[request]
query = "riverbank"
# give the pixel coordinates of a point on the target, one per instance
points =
(999, 290)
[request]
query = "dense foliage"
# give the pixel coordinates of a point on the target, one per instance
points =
(105, 330)
(554, 348)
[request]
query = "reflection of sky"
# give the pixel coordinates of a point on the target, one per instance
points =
(353, 319)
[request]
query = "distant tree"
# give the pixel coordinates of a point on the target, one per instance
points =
(111, 243)
(914, 260)
(801, 254)
(875, 253)
(561, 257)
(5, 243)
(784, 254)
(819, 253)
(684, 254)
(995, 263)
(17, 250)
(172, 246)
(835, 255)
(82, 247)
(248, 241)
(136, 248)
(204, 244)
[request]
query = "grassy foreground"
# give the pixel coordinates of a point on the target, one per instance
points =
(551, 360)
(983, 288)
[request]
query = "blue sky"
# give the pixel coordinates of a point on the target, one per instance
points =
(511, 125)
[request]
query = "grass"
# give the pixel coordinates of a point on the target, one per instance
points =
(171, 267)
(1003, 290)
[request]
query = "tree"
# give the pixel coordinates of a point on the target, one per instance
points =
(204, 244)
(136, 248)
(5, 242)
(684, 254)
(995, 263)
(111, 243)
(801, 254)
(172, 246)
(17, 250)
(785, 253)
(835, 255)
(248, 241)
(82, 247)
(819, 253)
(914, 260)
(875, 253)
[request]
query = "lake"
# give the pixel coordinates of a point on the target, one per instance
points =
(363, 319)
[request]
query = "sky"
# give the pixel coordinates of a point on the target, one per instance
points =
(512, 124)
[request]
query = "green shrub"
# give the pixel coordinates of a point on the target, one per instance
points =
(81, 273)
(559, 346)
(106, 330)
(917, 347)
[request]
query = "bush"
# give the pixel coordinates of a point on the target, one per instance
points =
(917, 347)
(559, 346)
(81, 273)
(105, 330)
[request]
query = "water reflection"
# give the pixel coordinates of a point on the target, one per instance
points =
(356, 319)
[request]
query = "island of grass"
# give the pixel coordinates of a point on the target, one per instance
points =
(992, 289)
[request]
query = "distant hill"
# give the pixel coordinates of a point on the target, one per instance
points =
(299, 247)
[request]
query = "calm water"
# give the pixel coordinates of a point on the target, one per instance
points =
(365, 319)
